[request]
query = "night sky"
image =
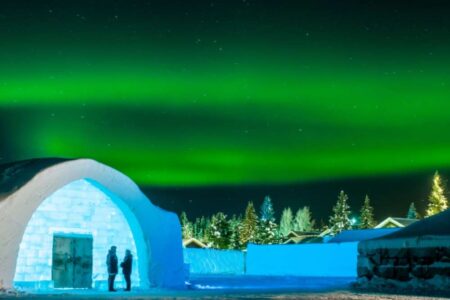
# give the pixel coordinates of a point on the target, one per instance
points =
(209, 104)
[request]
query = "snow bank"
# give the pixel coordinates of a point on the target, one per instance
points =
(212, 261)
(322, 260)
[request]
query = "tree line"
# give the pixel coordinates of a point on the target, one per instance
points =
(221, 232)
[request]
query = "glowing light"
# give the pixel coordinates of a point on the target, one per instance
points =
(77, 208)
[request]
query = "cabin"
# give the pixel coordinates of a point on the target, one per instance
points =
(392, 222)
(299, 237)
(194, 243)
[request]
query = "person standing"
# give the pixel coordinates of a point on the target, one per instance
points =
(112, 262)
(127, 268)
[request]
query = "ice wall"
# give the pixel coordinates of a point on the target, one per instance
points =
(322, 260)
(77, 208)
(211, 261)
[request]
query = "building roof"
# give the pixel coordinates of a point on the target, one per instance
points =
(294, 233)
(14, 175)
(193, 243)
(296, 237)
(437, 225)
(361, 235)
(397, 222)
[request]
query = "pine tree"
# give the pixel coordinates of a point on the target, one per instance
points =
(367, 219)
(267, 212)
(199, 228)
(340, 220)
(186, 226)
(249, 227)
(267, 228)
(412, 212)
(286, 222)
(219, 231)
(235, 227)
(437, 202)
(303, 221)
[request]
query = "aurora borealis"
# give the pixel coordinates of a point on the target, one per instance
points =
(228, 92)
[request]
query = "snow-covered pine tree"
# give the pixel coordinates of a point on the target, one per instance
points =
(412, 212)
(267, 228)
(267, 212)
(340, 220)
(286, 222)
(249, 226)
(367, 218)
(186, 226)
(437, 202)
(303, 221)
(219, 231)
(235, 227)
(199, 228)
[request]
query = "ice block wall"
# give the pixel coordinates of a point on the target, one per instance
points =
(77, 208)
(321, 260)
(212, 261)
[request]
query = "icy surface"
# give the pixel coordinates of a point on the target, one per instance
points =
(249, 282)
(236, 287)
(67, 212)
(211, 261)
(321, 260)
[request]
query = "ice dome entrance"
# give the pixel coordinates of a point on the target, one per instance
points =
(68, 237)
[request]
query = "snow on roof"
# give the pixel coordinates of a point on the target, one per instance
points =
(437, 225)
(398, 222)
(361, 235)
(14, 175)
(193, 243)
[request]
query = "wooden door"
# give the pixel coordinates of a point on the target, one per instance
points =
(72, 261)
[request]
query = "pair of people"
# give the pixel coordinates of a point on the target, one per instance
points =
(112, 264)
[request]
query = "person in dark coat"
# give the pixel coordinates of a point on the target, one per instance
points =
(112, 264)
(127, 268)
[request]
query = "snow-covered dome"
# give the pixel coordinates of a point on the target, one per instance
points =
(25, 185)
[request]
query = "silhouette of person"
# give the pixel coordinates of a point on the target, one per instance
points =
(127, 268)
(112, 262)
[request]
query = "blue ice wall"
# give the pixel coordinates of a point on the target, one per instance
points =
(77, 208)
(211, 261)
(322, 260)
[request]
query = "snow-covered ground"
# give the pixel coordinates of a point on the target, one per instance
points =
(232, 287)
(338, 295)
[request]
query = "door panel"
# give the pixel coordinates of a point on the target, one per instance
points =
(62, 270)
(72, 262)
(82, 263)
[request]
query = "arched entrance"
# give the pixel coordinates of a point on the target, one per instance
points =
(27, 184)
(67, 239)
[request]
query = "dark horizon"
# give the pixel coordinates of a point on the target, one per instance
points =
(390, 196)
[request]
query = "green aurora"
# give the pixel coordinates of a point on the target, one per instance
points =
(218, 107)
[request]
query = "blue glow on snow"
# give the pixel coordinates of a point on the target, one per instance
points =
(249, 283)
(80, 207)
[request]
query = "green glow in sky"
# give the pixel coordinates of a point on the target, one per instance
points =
(212, 108)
